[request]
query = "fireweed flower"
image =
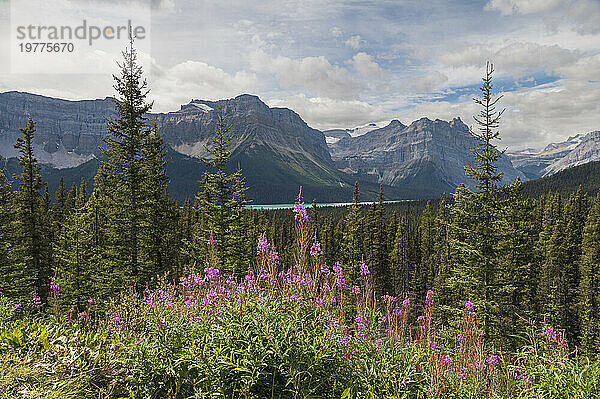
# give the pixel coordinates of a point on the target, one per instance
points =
(469, 306)
(90, 301)
(263, 244)
(211, 274)
(54, 287)
(429, 298)
(316, 250)
(493, 360)
(355, 290)
(264, 248)
(299, 209)
(388, 298)
(37, 302)
(364, 269)
(338, 275)
(406, 302)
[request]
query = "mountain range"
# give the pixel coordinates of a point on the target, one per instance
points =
(427, 154)
(276, 149)
(576, 150)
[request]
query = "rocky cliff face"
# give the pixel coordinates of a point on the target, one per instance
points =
(426, 151)
(68, 133)
(251, 122)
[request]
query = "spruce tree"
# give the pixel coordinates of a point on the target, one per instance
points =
(124, 235)
(159, 240)
(476, 216)
(589, 288)
(5, 232)
(31, 251)
(401, 263)
(353, 242)
(575, 215)
(428, 267)
(120, 178)
(222, 207)
(82, 272)
(514, 289)
(377, 247)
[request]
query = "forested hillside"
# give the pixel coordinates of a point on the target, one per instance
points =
(567, 181)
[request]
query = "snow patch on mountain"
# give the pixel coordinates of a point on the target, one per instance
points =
(203, 107)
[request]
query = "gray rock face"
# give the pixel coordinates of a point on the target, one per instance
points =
(395, 154)
(251, 122)
(68, 133)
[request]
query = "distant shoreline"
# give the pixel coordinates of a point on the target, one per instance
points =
(323, 204)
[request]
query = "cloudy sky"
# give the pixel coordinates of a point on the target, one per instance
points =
(347, 63)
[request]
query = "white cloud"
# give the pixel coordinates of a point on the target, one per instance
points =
(515, 59)
(586, 68)
(429, 82)
(315, 74)
(533, 117)
(509, 7)
(174, 86)
(582, 14)
(354, 41)
(336, 31)
(365, 65)
(326, 113)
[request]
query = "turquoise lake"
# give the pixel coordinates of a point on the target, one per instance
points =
(291, 206)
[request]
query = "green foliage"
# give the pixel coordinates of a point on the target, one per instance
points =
(221, 206)
(124, 235)
(30, 253)
(589, 289)
(567, 182)
(265, 345)
(353, 236)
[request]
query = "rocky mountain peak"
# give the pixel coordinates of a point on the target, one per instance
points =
(457, 123)
(395, 123)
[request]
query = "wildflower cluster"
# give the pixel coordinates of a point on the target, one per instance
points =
(316, 250)
(299, 210)
(557, 342)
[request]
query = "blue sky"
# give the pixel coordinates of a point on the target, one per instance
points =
(347, 63)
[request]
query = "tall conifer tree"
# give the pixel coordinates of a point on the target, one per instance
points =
(31, 252)
(589, 288)
(5, 231)
(222, 207)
